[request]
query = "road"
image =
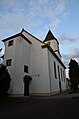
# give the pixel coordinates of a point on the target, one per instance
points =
(41, 108)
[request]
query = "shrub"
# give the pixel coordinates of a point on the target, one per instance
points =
(4, 81)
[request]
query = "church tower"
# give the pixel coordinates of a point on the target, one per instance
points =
(50, 39)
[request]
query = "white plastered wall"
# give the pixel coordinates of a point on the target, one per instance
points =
(32, 55)
(19, 53)
(53, 80)
(38, 65)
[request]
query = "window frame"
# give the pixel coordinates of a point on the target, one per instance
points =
(55, 71)
(8, 62)
(61, 74)
(25, 69)
(58, 72)
(10, 43)
(64, 75)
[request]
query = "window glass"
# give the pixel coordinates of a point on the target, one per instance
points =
(58, 73)
(8, 62)
(25, 69)
(10, 43)
(55, 70)
(64, 75)
(61, 75)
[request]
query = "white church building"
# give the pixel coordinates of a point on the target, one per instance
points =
(35, 66)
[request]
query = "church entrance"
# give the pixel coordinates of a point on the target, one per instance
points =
(27, 79)
(26, 88)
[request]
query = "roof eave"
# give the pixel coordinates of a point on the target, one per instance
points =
(16, 35)
(32, 36)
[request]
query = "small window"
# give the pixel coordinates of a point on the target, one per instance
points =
(25, 69)
(61, 75)
(55, 70)
(10, 43)
(58, 73)
(58, 47)
(8, 62)
(64, 75)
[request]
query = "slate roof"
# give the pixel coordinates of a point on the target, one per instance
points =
(50, 36)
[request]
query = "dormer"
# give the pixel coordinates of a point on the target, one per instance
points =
(50, 39)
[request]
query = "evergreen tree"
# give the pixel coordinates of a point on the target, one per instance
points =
(4, 81)
(74, 74)
(0, 55)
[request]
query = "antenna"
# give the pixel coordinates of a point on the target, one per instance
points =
(49, 27)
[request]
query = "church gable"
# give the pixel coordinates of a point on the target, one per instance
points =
(31, 37)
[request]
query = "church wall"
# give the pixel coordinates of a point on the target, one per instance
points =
(40, 63)
(19, 53)
(55, 81)
(38, 66)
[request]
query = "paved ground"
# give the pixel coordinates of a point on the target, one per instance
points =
(66, 95)
(55, 107)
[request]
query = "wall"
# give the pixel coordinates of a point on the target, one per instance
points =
(38, 60)
(32, 55)
(22, 57)
(55, 47)
(19, 53)
(53, 80)
(38, 65)
(10, 54)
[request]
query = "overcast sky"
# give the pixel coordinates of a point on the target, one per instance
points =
(36, 16)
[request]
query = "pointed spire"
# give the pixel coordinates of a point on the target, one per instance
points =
(49, 36)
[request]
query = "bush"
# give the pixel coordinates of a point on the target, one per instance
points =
(4, 81)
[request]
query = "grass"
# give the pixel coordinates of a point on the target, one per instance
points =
(74, 91)
(9, 100)
(75, 97)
